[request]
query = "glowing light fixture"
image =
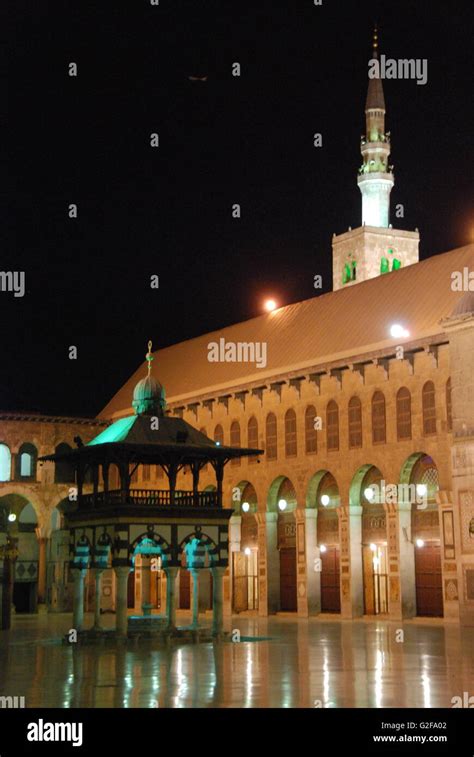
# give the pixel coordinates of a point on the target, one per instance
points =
(373, 548)
(420, 543)
(12, 517)
(323, 548)
(282, 504)
(247, 551)
(398, 331)
(325, 500)
(369, 493)
(245, 507)
(421, 490)
(270, 305)
(218, 444)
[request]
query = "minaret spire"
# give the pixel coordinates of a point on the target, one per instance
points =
(375, 175)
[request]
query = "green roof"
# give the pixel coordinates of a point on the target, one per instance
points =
(117, 432)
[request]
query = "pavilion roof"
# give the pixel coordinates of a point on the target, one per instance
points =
(136, 437)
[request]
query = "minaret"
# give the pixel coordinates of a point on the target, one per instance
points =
(375, 175)
(374, 248)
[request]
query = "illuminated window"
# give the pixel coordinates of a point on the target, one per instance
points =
(26, 461)
(396, 264)
(378, 418)
(449, 406)
(290, 434)
(403, 414)
(384, 265)
(429, 408)
(332, 426)
(355, 423)
(310, 433)
(271, 440)
(5, 463)
(252, 435)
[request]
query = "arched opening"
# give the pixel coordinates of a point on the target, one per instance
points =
(252, 438)
(327, 499)
(403, 414)
(271, 438)
(310, 432)
(428, 397)
(26, 462)
(355, 423)
(63, 470)
(378, 418)
(420, 480)
(235, 440)
(25, 586)
(366, 490)
(332, 426)
(146, 589)
(291, 447)
(245, 561)
(5, 463)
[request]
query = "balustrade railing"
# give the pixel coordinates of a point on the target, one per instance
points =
(150, 498)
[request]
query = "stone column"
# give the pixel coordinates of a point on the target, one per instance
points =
(449, 530)
(121, 615)
(268, 564)
(352, 582)
(235, 526)
(98, 585)
(301, 567)
(195, 596)
(146, 581)
(313, 562)
(78, 600)
(217, 600)
(42, 543)
(171, 574)
(401, 561)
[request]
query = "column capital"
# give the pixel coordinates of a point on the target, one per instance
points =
(310, 512)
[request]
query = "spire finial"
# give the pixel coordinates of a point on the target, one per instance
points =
(375, 41)
(149, 357)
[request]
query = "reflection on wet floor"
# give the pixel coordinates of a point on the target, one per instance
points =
(327, 663)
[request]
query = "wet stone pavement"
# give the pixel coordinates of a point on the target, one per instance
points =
(325, 663)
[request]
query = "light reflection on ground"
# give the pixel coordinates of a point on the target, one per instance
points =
(328, 663)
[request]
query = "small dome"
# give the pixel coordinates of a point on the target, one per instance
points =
(149, 397)
(465, 305)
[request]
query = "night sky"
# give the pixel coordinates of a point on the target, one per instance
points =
(247, 140)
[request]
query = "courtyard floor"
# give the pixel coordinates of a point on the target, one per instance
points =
(287, 662)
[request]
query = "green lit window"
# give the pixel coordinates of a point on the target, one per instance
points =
(384, 266)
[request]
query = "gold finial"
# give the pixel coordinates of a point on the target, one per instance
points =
(149, 356)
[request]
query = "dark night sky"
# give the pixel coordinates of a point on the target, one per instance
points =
(245, 140)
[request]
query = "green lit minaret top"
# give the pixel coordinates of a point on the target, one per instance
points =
(149, 395)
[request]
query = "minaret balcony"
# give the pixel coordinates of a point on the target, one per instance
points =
(381, 176)
(118, 498)
(380, 148)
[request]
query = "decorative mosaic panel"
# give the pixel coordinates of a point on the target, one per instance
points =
(466, 507)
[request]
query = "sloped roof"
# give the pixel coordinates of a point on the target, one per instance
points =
(339, 325)
(375, 97)
(134, 435)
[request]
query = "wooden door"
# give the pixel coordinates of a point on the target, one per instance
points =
(184, 589)
(131, 590)
(288, 601)
(428, 579)
(330, 580)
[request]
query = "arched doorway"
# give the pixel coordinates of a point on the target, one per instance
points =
(245, 561)
(327, 501)
(146, 589)
(23, 527)
(420, 478)
(282, 499)
(366, 490)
